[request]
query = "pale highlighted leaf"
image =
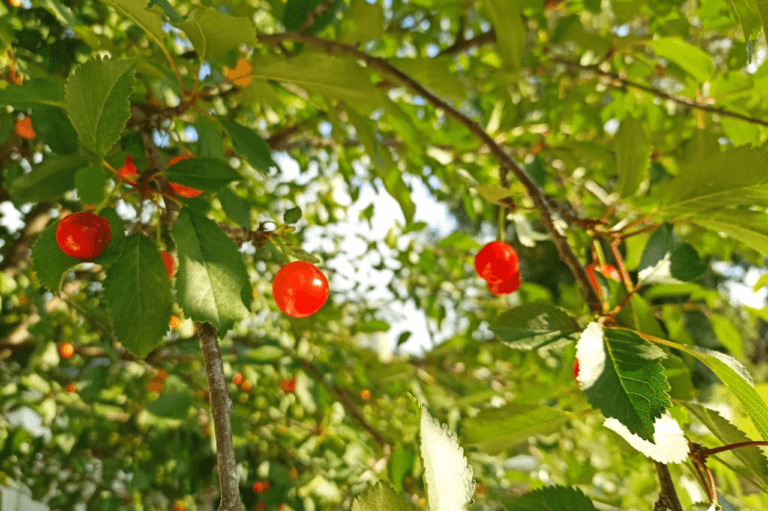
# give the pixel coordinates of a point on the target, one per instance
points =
(97, 95)
(621, 375)
(362, 22)
(50, 179)
(212, 282)
(138, 11)
(534, 325)
(746, 226)
(137, 291)
(495, 430)
(510, 31)
(695, 61)
(493, 193)
(669, 443)
(447, 474)
(380, 497)
(666, 260)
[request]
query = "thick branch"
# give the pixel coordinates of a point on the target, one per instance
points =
(668, 500)
(342, 396)
(537, 195)
(618, 81)
(34, 223)
(221, 409)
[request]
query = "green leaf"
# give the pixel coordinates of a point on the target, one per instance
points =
(460, 241)
(33, 91)
(54, 128)
(735, 377)
(63, 13)
(380, 497)
(666, 260)
(727, 334)
(685, 264)
(251, 146)
(209, 141)
(362, 22)
(297, 11)
(510, 31)
(746, 226)
(90, 184)
(292, 216)
(205, 174)
(50, 179)
(551, 498)
(633, 152)
(148, 19)
(137, 291)
(97, 95)
(212, 282)
(706, 185)
(400, 465)
(320, 73)
(740, 132)
(761, 7)
(621, 375)
(493, 193)
(494, 430)
(213, 34)
(171, 405)
(168, 10)
(534, 325)
(752, 457)
(761, 283)
(435, 74)
(638, 315)
(48, 261)
(693, 60)
(115, 246)
(236, 207)
(748, 17)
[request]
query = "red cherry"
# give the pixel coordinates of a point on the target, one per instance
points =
(83, 235)
(506, 287)
(170, 264)
(576, 369)
(66, 350)
(608, 271)
(183, 191)
(288, 385)
(258, 487)
(128, 171)
(497, 262)
(71, 388)
(237, 379)
(300, 289)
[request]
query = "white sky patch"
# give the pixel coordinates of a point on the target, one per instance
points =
(590, 352)
(446, 471)
(669, 446)
(661, 273)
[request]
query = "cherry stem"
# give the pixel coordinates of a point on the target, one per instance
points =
(716, 450)
(502, 217)
(620, 262)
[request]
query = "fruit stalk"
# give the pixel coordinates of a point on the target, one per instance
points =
(221, 409)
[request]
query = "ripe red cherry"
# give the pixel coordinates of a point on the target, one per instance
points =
(170, 264)
(300, 289)
(237, 379)
(288, 385)
(506, 287)
(183, 191)
(497, 262)
(83, 235)
(258, 487)
(66, 350)
(576, 370)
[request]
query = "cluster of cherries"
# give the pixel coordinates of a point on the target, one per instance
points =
(299, 289)
(497, 263)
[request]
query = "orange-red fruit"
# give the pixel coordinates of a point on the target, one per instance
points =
(156, 385)
(497, 262)
(179, 507)
(259, 487)
(66, 350)
(71, 388)
(128, 171)
(24, 128)
(300, 289)
(237, 379)
(365, 395)
(240, 75)
(608, 271)
(183, 191)
(246, 386)
(175, 322)
(162, 374)
(170, 264)
(83, 235)
(576, 369)
(288, 385)
(506, 287)
(261, 506)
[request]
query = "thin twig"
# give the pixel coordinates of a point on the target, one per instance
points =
(537, 195)
(221, 410)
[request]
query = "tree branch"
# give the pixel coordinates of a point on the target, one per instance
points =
(668, 500)
(542, 202)
(34, 223)
(619, 82)
(312, 18)
(221, 409)
(462, 44)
